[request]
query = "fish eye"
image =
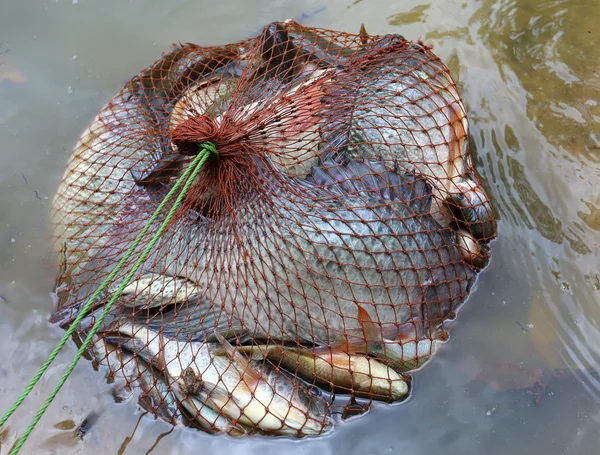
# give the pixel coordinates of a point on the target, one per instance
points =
(314, 391)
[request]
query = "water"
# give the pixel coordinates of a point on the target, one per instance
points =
(529, 75)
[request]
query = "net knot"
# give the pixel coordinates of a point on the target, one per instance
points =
(191, 136)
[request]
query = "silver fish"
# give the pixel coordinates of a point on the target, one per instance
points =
(154, 290)
(228, 384)
(318, 237)
(408, 112)
(139, 377)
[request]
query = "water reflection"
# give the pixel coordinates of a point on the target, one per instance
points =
(552, 45)
(416, 14)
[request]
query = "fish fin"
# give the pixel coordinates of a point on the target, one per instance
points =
(257, 353)
(372, 332)
(375, 178)
(322, 351)
(364, 36)
(343, 344)
(217, 395)
(279, 52)
(221, 351)
(390, 332)
(335, 136)
(458, 140)
(250, 374)
(405, 332)
(370, 329)
(161, 168)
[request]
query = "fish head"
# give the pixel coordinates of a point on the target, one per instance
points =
(287, 400)
(472, 251)
(302, 407)
(311, 399)
(469, 202)
(399, 389)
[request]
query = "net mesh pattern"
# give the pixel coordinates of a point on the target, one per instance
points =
(316, 259)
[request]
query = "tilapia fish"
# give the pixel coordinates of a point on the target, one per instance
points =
(127, 144)
(232, 388)
(407, 111)
(294, 265)
(290, 258)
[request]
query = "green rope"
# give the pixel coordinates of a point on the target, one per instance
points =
(190, 174)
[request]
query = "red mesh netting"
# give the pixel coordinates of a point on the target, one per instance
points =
(315, 259)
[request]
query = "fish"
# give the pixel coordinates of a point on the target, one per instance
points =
(319, 49)
(315, 236)
(472, 250)
(157, 91)
(229, 384)
(290, 122)
(154, 290)
(150, 291)
(282, 59)
(127, 144)
(134, 373)
(288, 256)
(331, 368)
(407, 110)
(387, 345)
(207, 97)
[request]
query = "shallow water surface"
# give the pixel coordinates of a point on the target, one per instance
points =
(517, 375)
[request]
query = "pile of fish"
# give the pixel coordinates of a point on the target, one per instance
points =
(362, 227)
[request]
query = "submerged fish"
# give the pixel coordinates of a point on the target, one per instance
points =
(333, 368)
(229, 384)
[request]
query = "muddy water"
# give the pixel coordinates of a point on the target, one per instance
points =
(529, 73)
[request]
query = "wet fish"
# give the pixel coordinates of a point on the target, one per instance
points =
(320, 50)
(156, 92)
(330, 367)
(292, 258)
(318, 237)
(387, 345)
(127, 144)
(282, 59)
(150, 291)
(135, 374)
(289, 122)
(208, 97)
(474, 252)
(154, 290)
(228, 384)
(408, 112)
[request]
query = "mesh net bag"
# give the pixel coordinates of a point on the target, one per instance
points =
(314, 262)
